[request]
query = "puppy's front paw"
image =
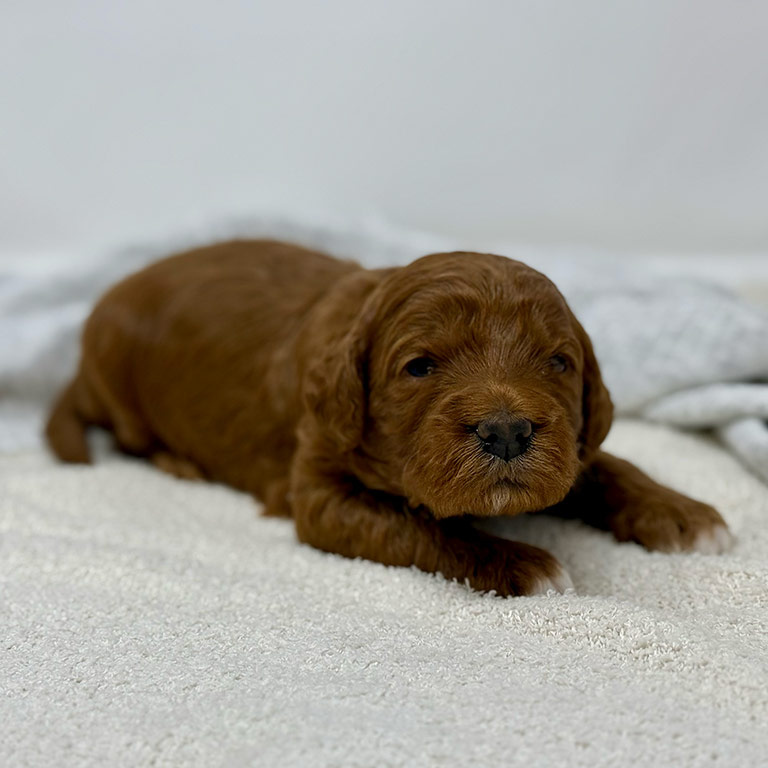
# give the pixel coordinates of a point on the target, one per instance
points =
(674, 523)
(513, 568)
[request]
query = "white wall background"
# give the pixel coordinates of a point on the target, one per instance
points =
(632, 125)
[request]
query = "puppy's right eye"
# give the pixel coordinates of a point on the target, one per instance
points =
(558, 363)
(420, 366)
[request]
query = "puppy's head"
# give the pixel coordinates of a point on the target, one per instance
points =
(467, 385)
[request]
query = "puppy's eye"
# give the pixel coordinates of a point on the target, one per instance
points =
(420, 366)
(558, 363)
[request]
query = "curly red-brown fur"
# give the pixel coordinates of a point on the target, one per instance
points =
(284, 372)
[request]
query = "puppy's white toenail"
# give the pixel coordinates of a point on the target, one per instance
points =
(713, 542)
(560, 582)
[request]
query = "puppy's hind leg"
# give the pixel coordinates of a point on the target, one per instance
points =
(67, 425)
(76, 409)
(119, 412)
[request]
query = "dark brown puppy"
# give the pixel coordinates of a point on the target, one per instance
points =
(381, 409)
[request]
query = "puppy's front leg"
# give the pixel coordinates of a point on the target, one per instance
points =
(614, 495)
(339, 516)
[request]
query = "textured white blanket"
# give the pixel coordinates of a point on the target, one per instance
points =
(152, 621)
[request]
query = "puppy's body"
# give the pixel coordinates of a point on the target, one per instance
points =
(196, 357)
(370, 404)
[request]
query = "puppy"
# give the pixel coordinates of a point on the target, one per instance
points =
(383, 410)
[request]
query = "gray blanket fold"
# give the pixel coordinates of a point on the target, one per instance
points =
(683, 353)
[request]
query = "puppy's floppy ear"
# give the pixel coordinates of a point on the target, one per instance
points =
(597, 408)
(336, 383)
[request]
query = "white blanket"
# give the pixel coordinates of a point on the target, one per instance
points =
(152, 621)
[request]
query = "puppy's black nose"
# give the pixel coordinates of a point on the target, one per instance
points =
(504, 435)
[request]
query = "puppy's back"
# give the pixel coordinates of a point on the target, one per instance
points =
(193, 353)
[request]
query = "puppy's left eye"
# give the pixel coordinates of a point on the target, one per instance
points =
(420, 366)
(558, 363)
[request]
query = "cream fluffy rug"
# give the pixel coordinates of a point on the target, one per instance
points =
(152, 621)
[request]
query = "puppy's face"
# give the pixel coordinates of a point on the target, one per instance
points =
(480, 390)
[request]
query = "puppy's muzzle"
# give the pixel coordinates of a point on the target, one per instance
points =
(504, 435)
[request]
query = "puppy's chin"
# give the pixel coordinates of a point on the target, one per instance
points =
(465, 481)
